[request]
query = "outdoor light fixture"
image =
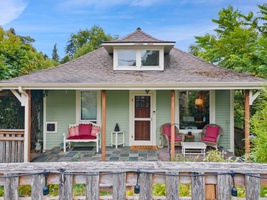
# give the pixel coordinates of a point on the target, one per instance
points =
(199, 101)
(147, 91)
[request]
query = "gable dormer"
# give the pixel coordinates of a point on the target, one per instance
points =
(138, 51)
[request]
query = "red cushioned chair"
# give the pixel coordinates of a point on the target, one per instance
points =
(210, 135)
(165, 131)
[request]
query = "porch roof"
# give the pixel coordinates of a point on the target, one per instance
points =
(95, 71)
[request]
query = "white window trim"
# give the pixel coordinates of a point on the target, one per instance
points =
(78, 107)
(138, 59)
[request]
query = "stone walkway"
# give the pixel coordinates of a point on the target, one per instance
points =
(83, 154)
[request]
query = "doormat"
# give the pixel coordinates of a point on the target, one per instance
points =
(143, 148)
(82, 149)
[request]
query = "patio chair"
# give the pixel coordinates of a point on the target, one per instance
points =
(210, 135)
(165, 131)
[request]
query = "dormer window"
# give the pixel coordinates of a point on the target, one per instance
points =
(138, 58)
(138, 52)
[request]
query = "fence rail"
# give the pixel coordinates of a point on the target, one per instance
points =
(208, 180)
(11, 145)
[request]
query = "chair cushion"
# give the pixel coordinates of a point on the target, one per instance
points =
(72, 131)
(94, 130)
(85, 129)
(208, 139)
(76, 137)
(212, 132)
(167, 130)
(177, 139)
(88, 137)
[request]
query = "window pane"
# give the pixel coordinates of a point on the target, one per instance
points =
(126, 57)
(194, 109)
(150, 57)
(88, 105)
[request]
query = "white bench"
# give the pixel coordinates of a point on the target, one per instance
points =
(193, 148)
(82, 132)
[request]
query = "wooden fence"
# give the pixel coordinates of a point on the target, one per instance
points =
(11, 145)
(208, 180)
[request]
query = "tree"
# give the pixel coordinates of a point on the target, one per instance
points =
(239, 42)
(55, 56)
(18, 56)
(86, 41)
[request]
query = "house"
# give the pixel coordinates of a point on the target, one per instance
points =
(139, 82)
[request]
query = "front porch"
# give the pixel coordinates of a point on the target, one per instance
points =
(84, 154)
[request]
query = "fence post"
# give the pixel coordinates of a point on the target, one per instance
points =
(172, 191)
(252, 187)
(37, 184)
(92, 186)
(65, 186)
(198, 187)
(145, 186)
(11, 188)
(224, 186)
(119, 186)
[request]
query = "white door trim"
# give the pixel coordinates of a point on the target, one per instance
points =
(152, 95)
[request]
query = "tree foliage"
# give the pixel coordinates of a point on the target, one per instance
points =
(86, 41)
(239, 41)
(55, 55)
(259, 130)
(18, 56)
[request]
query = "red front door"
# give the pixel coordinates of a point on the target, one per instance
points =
(142, 119)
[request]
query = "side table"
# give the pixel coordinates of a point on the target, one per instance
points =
(116, 142)
(189, 138)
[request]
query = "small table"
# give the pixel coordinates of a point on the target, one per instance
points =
(116, 143)
(193, 148)
(189, 138)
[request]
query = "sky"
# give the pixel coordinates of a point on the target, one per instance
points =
(53, 21)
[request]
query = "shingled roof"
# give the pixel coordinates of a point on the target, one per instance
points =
(95, 71)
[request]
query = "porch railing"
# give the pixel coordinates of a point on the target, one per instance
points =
(208, 180)
(11, 145)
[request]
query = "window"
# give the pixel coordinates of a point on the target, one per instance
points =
(149, 57)
(193, 109)
(138, 59)
(89, 106)
(126, 57)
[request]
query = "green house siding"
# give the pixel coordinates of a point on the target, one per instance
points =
(60, 108)
(163, 110)
(117, 111)
(222, 116)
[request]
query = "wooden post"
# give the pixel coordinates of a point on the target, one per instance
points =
(247, 124)
(103, 131)
(172, 126)
(29, 125)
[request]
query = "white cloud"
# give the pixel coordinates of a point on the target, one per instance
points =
(10, 10)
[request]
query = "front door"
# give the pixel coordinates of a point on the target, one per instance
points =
(142, 120)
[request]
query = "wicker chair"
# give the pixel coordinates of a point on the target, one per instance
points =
(179, 137)
(210, 135)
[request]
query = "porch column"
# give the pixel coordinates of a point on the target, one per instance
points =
(247, 123)
(103, 131)
(172, 125)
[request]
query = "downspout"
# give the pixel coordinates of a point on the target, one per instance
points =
(26, 123)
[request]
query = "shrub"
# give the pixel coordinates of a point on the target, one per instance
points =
(259, 129)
